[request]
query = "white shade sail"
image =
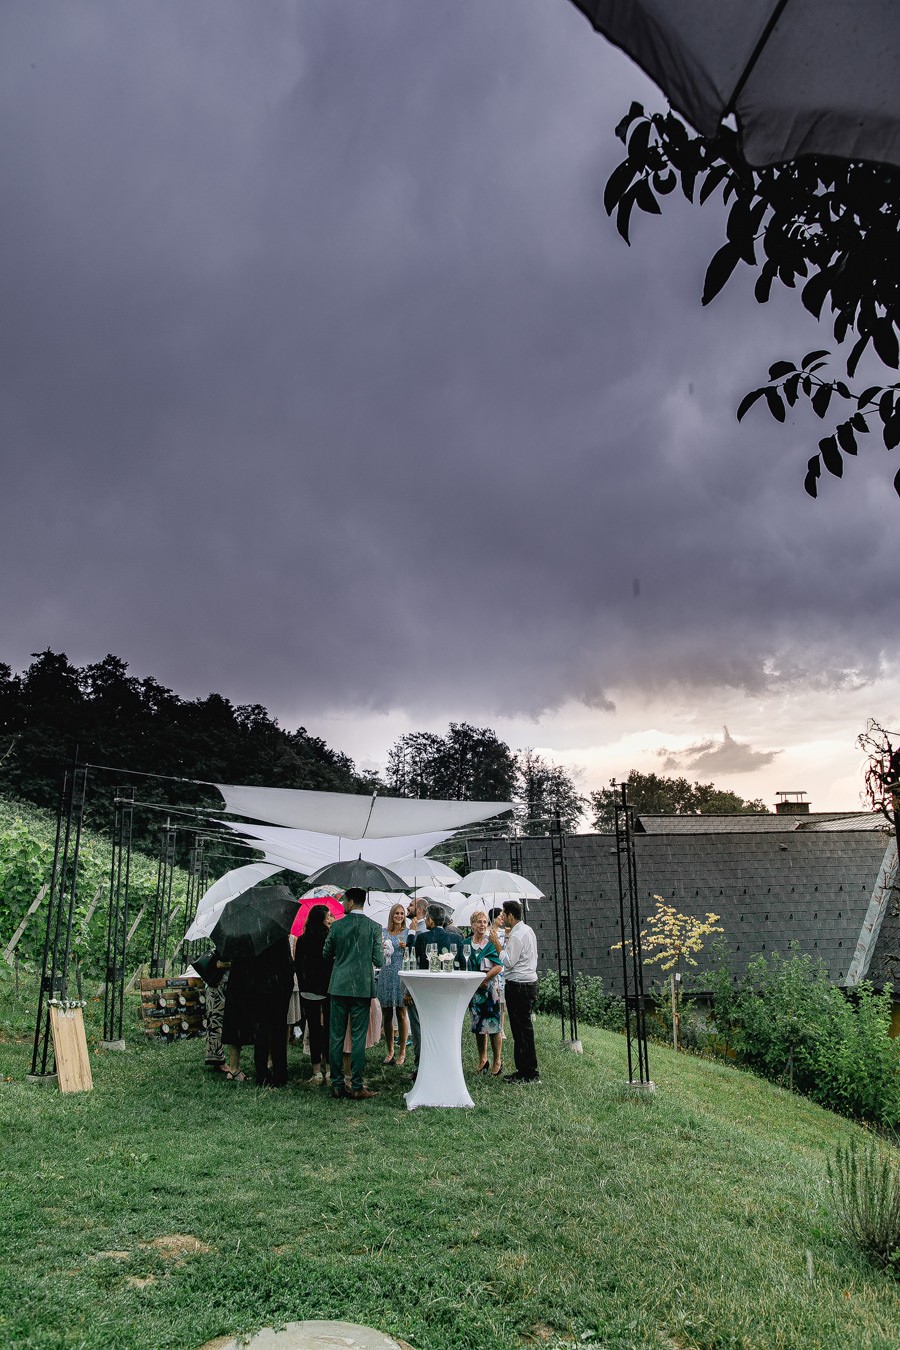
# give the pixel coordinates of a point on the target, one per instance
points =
(307, 850)
(353, 816)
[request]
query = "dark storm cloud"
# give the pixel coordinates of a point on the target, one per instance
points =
(327, 382)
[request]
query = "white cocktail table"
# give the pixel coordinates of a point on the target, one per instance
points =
(441, 1001)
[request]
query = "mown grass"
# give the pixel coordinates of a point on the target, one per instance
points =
(688, 1219)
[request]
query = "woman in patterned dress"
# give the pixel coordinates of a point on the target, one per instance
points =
(484, 1010)
(388, 989)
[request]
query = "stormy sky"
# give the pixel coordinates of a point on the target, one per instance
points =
(328, 385)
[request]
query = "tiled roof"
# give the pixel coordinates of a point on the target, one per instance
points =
(771, 890)
(860, 820)
(765, 821)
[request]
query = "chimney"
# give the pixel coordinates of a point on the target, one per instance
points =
(791, 804)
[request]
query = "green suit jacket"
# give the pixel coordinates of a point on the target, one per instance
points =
(357, 945)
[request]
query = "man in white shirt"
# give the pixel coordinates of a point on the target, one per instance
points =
(519, 959)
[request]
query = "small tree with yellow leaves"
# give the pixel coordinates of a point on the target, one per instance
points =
(675, 938)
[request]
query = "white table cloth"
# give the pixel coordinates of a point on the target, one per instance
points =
(441, 1001)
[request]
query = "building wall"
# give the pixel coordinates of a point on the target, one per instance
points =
(770, 890)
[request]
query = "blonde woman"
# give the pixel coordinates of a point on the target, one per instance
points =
(497, 934)
(388, 989)
(484, 1010)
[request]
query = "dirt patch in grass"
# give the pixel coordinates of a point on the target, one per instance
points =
(111, 1256)
(176, 1247)
(139, 1281)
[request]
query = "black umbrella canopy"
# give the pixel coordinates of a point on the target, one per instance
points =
(356, 872)
(255, 921)
(802, 77)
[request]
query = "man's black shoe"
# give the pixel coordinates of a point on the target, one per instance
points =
(521, 1078)
(338, 1092)
(512, 1078)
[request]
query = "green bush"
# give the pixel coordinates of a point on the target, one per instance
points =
(866, 1193)
(593, 1005)
(786, 1021)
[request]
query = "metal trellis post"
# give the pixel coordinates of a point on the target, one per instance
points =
(117, 926)
(60, 912)
(632, 957)
(565, 955)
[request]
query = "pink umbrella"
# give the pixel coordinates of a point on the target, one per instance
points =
(319, 895)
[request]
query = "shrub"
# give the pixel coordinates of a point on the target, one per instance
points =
(866, 1193)
(593, 1005)
(786, 1021)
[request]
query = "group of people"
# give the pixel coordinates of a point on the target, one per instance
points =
(348, 979)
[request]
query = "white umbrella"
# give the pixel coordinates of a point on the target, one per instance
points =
(435, 895)
(486, 902)
(226, 888)
(494, 879)
(380, 903)
(424, 871)
(807, 77)
(320, 892)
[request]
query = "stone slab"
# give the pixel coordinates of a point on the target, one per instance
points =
(315, 1336)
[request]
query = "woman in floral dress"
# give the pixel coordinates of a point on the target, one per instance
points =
(388, 989)
(484, 1010)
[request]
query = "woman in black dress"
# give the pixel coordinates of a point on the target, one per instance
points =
(313, 975)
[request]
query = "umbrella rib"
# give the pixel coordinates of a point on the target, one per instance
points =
(754, 57)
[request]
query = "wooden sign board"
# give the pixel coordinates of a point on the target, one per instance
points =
(73, 1065)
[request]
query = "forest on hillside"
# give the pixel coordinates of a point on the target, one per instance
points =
(121, 722)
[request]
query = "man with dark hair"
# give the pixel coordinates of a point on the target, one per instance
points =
(519, 959)
(357, 946)
(436, 934)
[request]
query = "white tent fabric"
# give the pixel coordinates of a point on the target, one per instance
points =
(226, 888)
(824, 82)
(353, 816)
(307, 850)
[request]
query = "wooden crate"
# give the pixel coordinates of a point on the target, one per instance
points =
(174, 1008)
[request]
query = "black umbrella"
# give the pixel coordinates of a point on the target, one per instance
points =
(255, 921)
(356, 872)
(809, 77)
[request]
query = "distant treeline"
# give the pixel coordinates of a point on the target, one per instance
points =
(116, 719)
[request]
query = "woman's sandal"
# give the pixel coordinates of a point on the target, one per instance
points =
(482, 1068)
(237, 1077)
(389, 1059)
(495, 1073)
(401, 1059)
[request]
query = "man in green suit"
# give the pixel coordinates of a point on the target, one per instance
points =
(357, 946)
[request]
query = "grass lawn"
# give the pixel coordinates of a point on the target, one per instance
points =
(169, 1207)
